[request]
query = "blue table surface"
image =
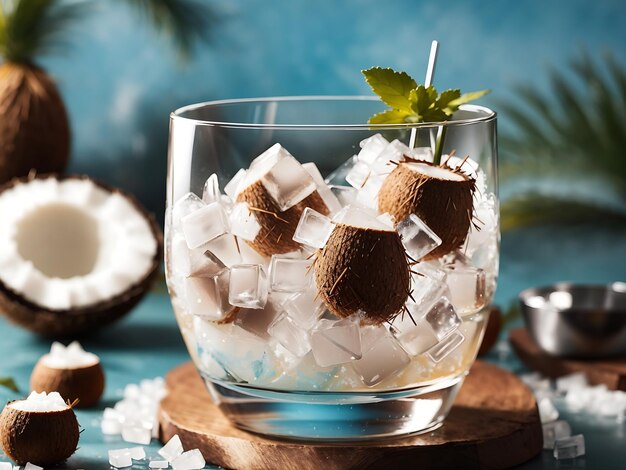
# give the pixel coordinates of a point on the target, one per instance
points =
(147, 343)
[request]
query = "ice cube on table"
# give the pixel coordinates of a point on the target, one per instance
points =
(137, 453)
(553, 431)
(358, 175)
(248, 286)
(288, 183)
(442, 318)
(290, 274)
(257, 321)
(371, 148)
(336, 342)
(243, 222)
(172, 449)
(207, 296)
(467, 286)
(6, 466)
(304, 308)
(416, 338)
(233, 187)
(346, 195)
(226, 249)
(211, 191)
(382, 356)
(32, 466)
(313, 229)
(547, 410)
(570, 382)
(158, 464)
(418, 239)
(204, 225)
(190, 460)
(290, 335)
(445, 347)
(110, 427)
(136, 434)
(120, 458)
(186, 205)
(569, 447)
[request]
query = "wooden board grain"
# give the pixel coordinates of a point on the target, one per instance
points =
(611, 372)
(493, 424)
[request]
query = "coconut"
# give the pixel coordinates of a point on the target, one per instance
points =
(42, 430)
(363, 268)
(73, 372)
(439, 195)
(76, 254)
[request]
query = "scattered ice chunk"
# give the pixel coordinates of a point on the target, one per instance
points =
(290, 335)
(190, 460)
(417, 237)
(304, 308)
(233, 188)
(32, 466)
(290, 274)
(422, 153)
(120, 458)
(158, 464)
(248, 286)
(346, 195)
(467, 287)
(257, 321)
(204, 225)
(547, 410)
(243, 222)
(111, 427)
(416, 338)
(313, 229)
(172, 449)
(211, 190)
(336, 342)
(137, 453)
(446, 346)
(208, 296)
(288, 183)
(226, 249)
(358, 175)
(567, 383)
(136, 434)
(186, 205)
(382, 356)
(569, 447)
(442, 318)
(553, 431)
(6, 466)
(371, 148)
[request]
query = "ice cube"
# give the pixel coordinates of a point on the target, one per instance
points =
(32, 466)
(553, 431)
(288, 183)
(207, 296)
(387, 219)
(360, 217)
(569, 447)
(269, 157)
(486, 229)
(382, 356)
(358, 175)
(427, 285)
(345, 194)
(314, 172)
(371, 148)
(243, 222)
(338, 176)
(290, 275)
(330, 200)
(120, 458)
(257, 321)
(446, 346)
(417, 237)
(248, 286)
(6, 466)
(467, 288)
(172, 449)
(137, 453)
(367, 196)
(313, 229)
(111, 427)
(304, 308)
(336, 342)
(226, 249)
(422, 153)
(186, 205)
(547, 411)
(391, 154)
(233, 187)
(442, 318)
(136, 434)
(158, 464)
(204, 225)
(290, 335)
(211, 190)
(416, 338)
(190, 460)
(570, 382)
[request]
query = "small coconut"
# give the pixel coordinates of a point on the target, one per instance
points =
(74, 373)
(439, 195)
(363, 268)
(42, 430)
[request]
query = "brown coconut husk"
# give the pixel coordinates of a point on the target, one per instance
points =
(83, 385)
(34, 129)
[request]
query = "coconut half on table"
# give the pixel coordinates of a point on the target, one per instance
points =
(75, 254)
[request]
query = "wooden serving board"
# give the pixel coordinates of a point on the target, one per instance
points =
(493, 424)
(611, 372)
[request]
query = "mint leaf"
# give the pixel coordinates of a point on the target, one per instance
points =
(8, 383)
(392, 87)
(421, 99)
(446, 97)
(465, 98)
(391, 116)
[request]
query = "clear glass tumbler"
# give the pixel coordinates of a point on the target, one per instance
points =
(254, 261)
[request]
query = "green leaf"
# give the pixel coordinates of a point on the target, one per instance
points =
(422, 98)
(391, 116)
(465, 98)
(392, 87)
(9, 383)
(446, 97)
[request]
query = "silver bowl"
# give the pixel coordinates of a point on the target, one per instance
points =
(581, 321)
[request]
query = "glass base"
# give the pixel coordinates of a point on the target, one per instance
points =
(315, 416)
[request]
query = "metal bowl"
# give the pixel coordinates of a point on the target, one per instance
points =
(582, 321)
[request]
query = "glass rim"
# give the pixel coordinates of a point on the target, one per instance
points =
(487, 114)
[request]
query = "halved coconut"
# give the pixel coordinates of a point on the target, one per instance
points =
(363, 268)
(76, 254)
(74, 373)
(42, 430)
(439, 195)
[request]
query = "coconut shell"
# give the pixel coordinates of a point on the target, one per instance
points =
(364, 270)
(34, 129)
(42, 438)
(277, 228)
(445, 206)
(70, 323)
(84, 384)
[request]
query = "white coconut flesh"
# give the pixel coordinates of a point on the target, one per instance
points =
(435, 172)
(41, 403)
(71, 357)
(361, 217)
(69, 244)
